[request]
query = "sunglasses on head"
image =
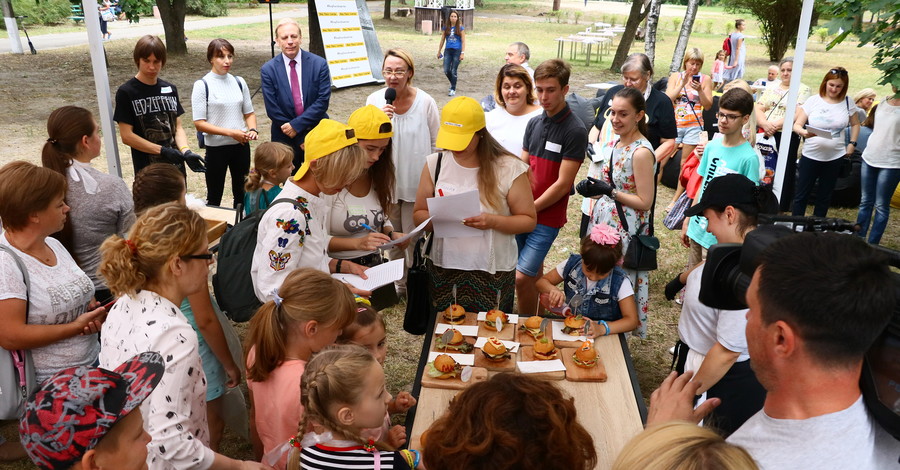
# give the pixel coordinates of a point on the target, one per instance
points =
(838, 72)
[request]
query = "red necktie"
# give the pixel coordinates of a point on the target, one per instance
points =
(295, 88)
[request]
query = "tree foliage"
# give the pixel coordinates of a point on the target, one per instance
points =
(883, 34)
(778, 21)
(639, 11)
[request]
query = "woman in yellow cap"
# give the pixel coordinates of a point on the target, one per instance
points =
(484, 265)
(294, 235)
(358, 221)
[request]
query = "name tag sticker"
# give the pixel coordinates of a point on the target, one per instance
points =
(553, 147)
(165, 89)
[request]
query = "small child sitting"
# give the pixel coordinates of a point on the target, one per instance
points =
(606, 292)
(369, 331)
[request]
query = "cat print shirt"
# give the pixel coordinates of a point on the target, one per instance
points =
(175, 413)
(290, 236)
(347, 215)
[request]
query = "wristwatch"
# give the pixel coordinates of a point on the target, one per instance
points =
(613, 194)
(853, 143)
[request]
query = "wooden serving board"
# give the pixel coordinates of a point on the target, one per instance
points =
(526, 353)
(576, 373)
(509, 332)
(506, 365)
(467, 339)
(479, 374)
(526, 339)
(561, 343)
(471, 319)
(215, 229)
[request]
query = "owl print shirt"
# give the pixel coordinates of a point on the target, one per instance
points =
(347, 215)
(175, 413)
(290, 236)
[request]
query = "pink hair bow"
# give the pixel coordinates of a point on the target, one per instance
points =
(603, 234)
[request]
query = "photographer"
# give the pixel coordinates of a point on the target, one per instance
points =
(711, 340)
(817, 301)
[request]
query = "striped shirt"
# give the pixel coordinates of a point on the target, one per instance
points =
(323, 457)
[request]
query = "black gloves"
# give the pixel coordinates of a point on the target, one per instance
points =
(593, 187)
(171, 155)
(196, 163)
(673, 287)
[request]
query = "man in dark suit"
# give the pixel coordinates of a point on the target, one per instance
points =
(296, 88)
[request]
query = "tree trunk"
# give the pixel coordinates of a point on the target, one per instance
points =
(556, 5)
(316, 46)
(479, 3)
(387, 9)
(652, 24)
(172, 14)
(635, 17)
(686, 26)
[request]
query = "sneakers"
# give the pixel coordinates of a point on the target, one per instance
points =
(452, 92)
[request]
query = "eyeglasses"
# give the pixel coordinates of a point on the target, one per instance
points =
(728, 117)
(395, 73)
(206, 256)
(840, 72)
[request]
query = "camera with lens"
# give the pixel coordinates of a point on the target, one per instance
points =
(730, 267)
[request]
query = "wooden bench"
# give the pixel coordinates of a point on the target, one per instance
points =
(77, 14)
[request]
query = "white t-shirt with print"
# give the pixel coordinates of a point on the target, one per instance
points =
(832, 117)
(348, 213)
(57, 295)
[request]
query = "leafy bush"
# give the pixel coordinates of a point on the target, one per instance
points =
(207, 7)
(46, 13)
(676, 24)
(708, 26)
(822, 34)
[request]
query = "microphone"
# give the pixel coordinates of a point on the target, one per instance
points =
(390, 95)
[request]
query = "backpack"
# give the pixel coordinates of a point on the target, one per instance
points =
(726, 46)
(232, 283)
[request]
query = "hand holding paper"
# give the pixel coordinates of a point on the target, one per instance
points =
(448, 212)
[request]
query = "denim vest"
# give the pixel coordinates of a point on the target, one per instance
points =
(601, 302)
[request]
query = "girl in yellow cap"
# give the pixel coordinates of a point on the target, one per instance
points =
(292, 233)
(481, 266)
(358, 222)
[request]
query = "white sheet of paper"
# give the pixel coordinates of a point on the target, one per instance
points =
(378, 276)
(559, 335)
(534, 367)
(513, 318)
(462, 359)
(465, 330)
(414, 233)
(448, 212)
(512, 346)
(823, 133)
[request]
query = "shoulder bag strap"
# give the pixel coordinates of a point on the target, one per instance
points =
(621, 212)
(21, 266)
(437, 173)
(206, 87)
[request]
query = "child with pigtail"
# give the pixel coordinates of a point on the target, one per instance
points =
(272, 166)
(594, 275)
(306, 314)
(343, 392)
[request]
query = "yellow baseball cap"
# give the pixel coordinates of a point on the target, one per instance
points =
(461, 118)
(327, 137)
(371, 123)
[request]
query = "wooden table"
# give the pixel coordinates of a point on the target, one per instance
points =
(217, 218)
(612, 411)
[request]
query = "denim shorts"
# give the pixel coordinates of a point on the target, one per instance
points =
(688, 135)
(533, 248)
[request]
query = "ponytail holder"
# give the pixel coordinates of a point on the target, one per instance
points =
(276, 298)
(310, 439)
(369, 446)
(130, 244)
(603, 234)
(51, 140)
(253, 171)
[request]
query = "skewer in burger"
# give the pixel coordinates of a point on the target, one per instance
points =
(490, 319)
(585, 356)
(544, 350)
(443, 367)
(455, 314)
(574, 325)
(456, 343)
(495, 350)
(532, 326)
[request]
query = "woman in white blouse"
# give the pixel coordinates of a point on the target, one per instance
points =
(224, 113)
(514, 92)
(164, 259)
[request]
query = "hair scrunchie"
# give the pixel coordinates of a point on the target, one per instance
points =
(276, 298)
(130, 244)
(603, 234)
(52, 141)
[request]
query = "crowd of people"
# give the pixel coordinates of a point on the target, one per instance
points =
(102, 283)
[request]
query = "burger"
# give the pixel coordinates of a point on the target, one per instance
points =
(532, 326)
(544, 350)
(574, 325)
(494, 350)
(456, 343)
(491, 318)
(443, 367)
(455, 314)
(585, 356)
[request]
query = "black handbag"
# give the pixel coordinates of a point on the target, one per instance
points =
(641, 252)
(419, 307)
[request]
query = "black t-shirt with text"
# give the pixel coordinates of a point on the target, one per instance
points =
(152, 111)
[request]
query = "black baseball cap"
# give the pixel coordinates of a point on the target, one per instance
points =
(726, 190)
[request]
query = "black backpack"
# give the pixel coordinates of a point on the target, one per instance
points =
(232, 283)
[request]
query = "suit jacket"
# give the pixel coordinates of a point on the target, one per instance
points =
(315, 85)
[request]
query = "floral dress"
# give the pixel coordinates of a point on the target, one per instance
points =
(605, 212)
